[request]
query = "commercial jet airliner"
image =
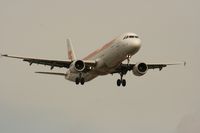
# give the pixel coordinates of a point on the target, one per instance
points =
(106, 60)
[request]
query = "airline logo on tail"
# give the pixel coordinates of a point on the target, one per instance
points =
(71, 54)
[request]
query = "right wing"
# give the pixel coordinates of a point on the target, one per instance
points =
(52, 63)
(52, 73)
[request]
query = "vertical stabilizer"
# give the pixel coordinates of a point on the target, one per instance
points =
(71, 54)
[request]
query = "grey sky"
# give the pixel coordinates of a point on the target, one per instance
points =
(157, 102)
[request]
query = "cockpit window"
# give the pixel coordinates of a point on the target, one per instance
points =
(130, 37)
(125, 37)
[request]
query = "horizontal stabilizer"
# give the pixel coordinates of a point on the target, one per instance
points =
(51, 73)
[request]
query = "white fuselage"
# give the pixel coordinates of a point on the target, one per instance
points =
(110, 56)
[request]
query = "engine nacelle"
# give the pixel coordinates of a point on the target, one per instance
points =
(78, 65)
(140, 69)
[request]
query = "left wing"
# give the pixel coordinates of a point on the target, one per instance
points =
(128, 67)
(51, 63)
(161, 66)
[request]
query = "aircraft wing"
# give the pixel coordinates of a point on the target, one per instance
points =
(51, 63)
(51, 73)
(160, 66)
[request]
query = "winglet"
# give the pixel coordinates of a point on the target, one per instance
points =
(71, 53)
(184, 63)
(3, 55)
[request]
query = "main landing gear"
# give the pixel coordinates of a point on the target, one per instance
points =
(80, 79)
(121, 81)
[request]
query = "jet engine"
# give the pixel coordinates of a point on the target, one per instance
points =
(78, 65)
(140, 69)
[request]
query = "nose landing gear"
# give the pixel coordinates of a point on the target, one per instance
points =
(123, 72)
(128, 59)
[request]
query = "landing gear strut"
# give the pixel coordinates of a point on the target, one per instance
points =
(80, 79)
(123, 72)
(128, 59)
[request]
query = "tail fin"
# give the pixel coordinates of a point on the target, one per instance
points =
(71, 54)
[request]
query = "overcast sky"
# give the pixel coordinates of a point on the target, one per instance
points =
(159, 102)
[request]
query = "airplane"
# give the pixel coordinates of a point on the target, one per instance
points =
(106, 60)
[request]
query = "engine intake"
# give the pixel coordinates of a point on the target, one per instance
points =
(77, 65)
(140, 69)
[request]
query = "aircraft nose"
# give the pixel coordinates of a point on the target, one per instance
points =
(137, 43)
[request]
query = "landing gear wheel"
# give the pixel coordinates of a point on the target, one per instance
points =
(82, 81)
(119, 82)
(77, 81)
(123, 82)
